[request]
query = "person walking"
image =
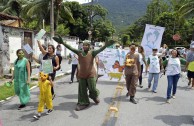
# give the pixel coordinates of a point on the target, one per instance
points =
(154, 63)
(86, 73)
(39, 59)
(55, 62)
(74, 61)
(132, 71)
(21, 78)
(142, 61)
(190, 65)
(58, 53)
(173, 70)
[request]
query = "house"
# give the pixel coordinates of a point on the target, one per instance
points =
(9, 20)
(13, 38)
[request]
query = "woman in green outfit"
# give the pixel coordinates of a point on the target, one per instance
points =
(86, 74)
(21, 77)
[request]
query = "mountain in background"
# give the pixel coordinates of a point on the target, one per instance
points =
(124, 12)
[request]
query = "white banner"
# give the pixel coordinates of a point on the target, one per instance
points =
(111, 63)
(152, 38)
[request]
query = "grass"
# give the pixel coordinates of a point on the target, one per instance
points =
(6, 92)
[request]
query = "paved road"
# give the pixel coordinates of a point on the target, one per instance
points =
(151, 109)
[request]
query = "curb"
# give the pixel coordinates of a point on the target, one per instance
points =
(57, 76)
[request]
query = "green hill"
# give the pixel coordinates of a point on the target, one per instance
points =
(124, 12)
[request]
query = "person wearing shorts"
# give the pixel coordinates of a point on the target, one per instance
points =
(190, 65)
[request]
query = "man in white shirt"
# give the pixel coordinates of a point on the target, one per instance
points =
(74, 61)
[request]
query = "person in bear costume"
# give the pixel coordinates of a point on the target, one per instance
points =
(45, 96)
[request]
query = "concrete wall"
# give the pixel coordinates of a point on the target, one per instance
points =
(12, 39)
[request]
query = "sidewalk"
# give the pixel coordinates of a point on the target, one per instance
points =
(65, 69)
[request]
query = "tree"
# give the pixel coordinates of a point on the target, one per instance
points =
(13, 7)
(40, 9)
(124, 39)
(187, 10)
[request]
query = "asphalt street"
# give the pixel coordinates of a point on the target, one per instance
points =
(151, 110)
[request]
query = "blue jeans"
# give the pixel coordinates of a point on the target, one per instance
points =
(150, 78)
(172, 84)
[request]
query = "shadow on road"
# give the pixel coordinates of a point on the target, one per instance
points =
(67, 106)
(185, 88)
(155, 99)
(72, 96)
(172, 120)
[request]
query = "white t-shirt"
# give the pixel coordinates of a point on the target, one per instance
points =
(141, 59)
(74, 58)
(173, 66)
(154, 66)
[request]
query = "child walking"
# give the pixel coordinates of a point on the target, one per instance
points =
(45, 96)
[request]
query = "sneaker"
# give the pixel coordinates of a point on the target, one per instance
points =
(21, 106)
(70, 82)
(140, 86)
(133, 100)
(37, 116)
(168, 101)
(49, 111)
(154, 91)
(53, 97)
(173, 96)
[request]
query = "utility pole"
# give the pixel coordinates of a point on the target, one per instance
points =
(90, 18)
(52, 21)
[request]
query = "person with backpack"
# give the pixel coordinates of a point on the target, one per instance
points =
(55, 62)
(21, 78)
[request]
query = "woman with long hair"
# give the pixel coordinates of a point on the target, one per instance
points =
(21, 77)
(55, 61)
(142, 61)
(173, 70)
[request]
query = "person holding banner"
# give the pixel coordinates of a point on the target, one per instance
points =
(21, 77)
(154, 63)
(39, 59)
(132, 72)
(86, 73)
(55, 62)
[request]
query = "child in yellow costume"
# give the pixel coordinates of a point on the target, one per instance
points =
(45, 96)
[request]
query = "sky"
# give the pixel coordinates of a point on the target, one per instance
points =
(80, 1)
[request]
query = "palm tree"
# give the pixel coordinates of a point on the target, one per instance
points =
(187, 10)
(41, 9)
(13, 7)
